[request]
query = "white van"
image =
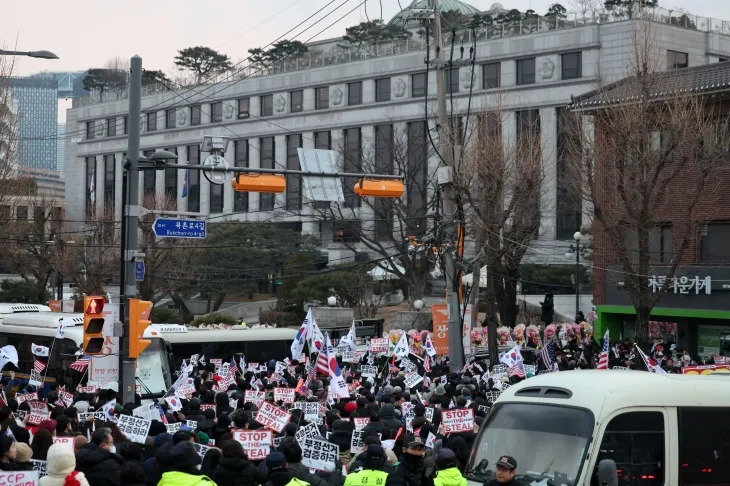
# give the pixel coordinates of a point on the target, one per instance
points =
(654, 430)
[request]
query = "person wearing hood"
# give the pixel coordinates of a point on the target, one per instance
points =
(208, 424)
(372, 471)
(194, 412)
(185, 472)
(411, 471)
(60, 468)
(387, 414)
(343, 439)
(277, 472)
(234, 468)
(448, 474)
(375, 426)
(98, 460)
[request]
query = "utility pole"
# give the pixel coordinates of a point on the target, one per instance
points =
(446, 175)
(130, 225)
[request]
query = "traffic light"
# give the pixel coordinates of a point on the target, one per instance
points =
(268, 183)
(139, 314)
(379, 188)
(93, 325)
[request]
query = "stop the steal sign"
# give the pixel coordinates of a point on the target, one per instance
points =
(459, 420)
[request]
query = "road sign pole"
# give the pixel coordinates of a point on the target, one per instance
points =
(128, 286)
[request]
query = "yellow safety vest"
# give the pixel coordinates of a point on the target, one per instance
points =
(297, 482)
(366, 477)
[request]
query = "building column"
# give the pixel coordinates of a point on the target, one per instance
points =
(549, 186)
(309, 226)
(280, 163)
(228, 187)
(118, 182)
(254, 162)
(99, 181)
(182, 154)
(367, 146)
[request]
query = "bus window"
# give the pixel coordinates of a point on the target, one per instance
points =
(704, 447)
(635, 442)
(254, 351)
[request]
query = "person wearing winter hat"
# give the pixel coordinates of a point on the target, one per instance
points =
(60, 468)
(448, 474)
(186, 462)
(23, 455)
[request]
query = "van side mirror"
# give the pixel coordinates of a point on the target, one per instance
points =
(607, 475)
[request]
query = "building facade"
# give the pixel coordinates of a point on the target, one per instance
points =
(37, 100)
(358, 100)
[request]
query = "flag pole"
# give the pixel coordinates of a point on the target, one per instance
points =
(48, 365)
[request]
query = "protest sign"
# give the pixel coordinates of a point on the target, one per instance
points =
(66, 397)
(484, 408)
(413, 379)
(368, 370)
(430, 440)
(348, 356)
(459, 420)
(255, 397)
(705, 370)
(135, 428)
(193, 424)
(36, 379)
(379, 345)
(256, 443)
(20, 398)
(172, 428)
(286, 395)
(309, 430)
(85, 389)
(360, 422)
(310, 409)
(356, 444)
(351, 387)
(429, 414)
(38, 412)
(39, 467)
(272, 417)
(149, 412)
(408, 365)
(201, 449)
(277, 441)
(69, 441)
(320, 454)
(208, 406)
(98, 415)
(21, 414)
(217, 362)
(408, 414)
(19, 478)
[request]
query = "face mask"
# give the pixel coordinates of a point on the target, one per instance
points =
(113, 449)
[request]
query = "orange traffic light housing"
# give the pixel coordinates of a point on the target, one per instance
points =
(139, 314)
(388, 188)
(93, 325)
(268, 183)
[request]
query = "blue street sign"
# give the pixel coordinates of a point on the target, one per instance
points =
(139, 270)
(179, 228)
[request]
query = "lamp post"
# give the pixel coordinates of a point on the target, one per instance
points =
(36, 54)
(577, 248)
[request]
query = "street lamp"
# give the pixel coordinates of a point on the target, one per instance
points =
(418, 305)
(36, 54)
(331, 301)
(576, 249)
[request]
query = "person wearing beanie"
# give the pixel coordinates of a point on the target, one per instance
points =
(185, 472)
(23, 455)
(372, 471)
(448, 474)
(48, 424)
(349, 408)
(60, 468)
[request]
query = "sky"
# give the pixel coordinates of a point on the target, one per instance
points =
(86, 33)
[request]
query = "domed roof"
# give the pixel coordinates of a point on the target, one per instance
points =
(446, 6)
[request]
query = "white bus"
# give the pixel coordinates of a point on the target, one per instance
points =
(21, 325)
(653, 430)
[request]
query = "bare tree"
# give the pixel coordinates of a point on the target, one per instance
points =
(8, 134)
(639, 159)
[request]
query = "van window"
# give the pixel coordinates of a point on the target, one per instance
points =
(704, 446)
(635, 441)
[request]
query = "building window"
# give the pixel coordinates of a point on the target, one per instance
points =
(126, 125)
(111, 127)
(21, 213)
(416, 174)
(267, 105)
(151, 122)
(193, 179)
(170, 118)
(240, 159)
(660, 244)
(244, 106)
(195, 115)
(452, 80)
(216, 112)
(382, 89)
(216, 198)
(90, 186)
(346, 231)
(109, 182)
(322, 140)
(526, 71)
(297, 101)
(677, 60)
(294, 181)
(713, 242)
(384, 158)
(419, 85)
(528, 124)
(149, 178)
(267, 151)
(635, 442)
(322, 97)
(572, 65)
(353, 163)
(354, 93)
(90, 130)
(492, 75)
(4, 213)
(701, 436)
(171, 182)
(569, 212)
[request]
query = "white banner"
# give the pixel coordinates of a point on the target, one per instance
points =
(413, 379)
(272, 417)
(459, 420)
(39, 467)
(379, 345)
(19, 478)
(320, 454)
(308, 431)
(36, 379)
(310, 409)
(368, 370)
(135, 428)
(255, 397)
(286, 395)
(256, 443)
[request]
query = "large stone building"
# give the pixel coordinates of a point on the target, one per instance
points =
(362, 100)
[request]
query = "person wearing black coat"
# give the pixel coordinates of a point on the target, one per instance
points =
(234, 468)
(411, 471)
(375, 426)
(95, 459)
(387, 414)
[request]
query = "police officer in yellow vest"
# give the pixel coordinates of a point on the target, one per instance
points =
(448, 474)
(372, 473)
(278, 472)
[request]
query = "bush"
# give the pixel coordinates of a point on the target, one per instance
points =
(163, 315)
(216, 318)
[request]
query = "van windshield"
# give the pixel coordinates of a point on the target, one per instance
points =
(547, 441)
(153, 370)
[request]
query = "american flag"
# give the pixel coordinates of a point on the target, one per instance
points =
(517, 370)
(603, 358)
(233, 368)
(312, 373)
(323, 361)
(81, 363)
(427, 364)
(38, 365)
(548, 355)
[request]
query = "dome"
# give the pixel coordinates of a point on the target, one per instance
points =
(446, 6)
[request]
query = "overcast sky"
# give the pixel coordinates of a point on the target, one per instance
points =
(85, 33)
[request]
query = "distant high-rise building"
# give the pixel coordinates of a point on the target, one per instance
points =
(70, 84)
(37, 101)
(61, 150)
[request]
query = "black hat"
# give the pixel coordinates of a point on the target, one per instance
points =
(507, 462)
(375, 451)
(414, 441)
(183, 454)
(445, 458)
(419, 410)
(275, 460)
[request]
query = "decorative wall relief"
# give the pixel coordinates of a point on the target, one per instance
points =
(547, 68)
(182, 117)
(279, 104)
(399, 88)
(336, 96)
